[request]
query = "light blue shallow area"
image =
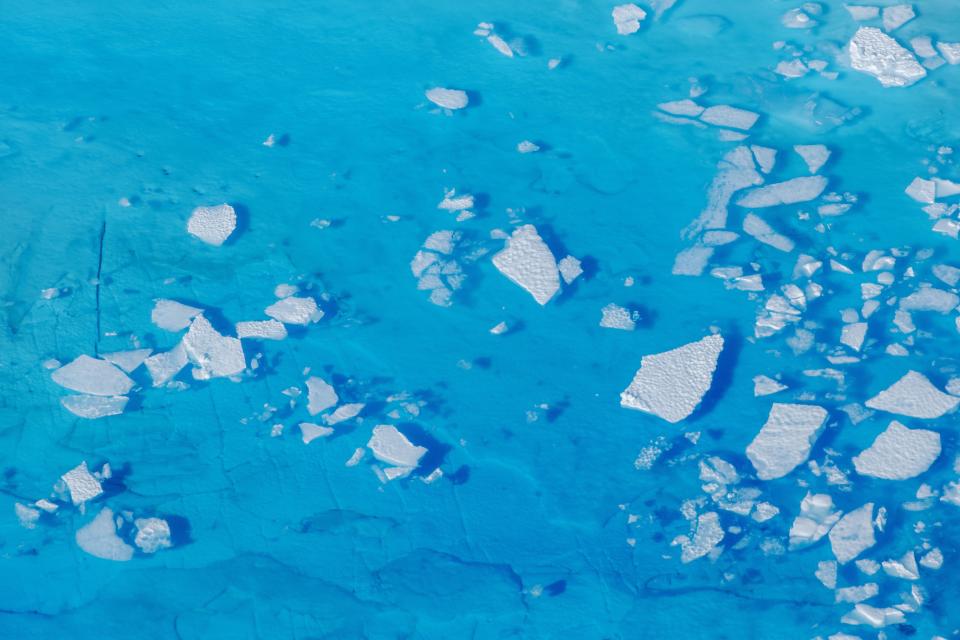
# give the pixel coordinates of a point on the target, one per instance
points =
(526, 534)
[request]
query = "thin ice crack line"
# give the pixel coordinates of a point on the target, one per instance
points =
(103, 232)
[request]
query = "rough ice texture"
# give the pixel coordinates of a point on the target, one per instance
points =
(310, 432)
(671, 384)
(92, 407)
(950, 51)
(875, 617)
(685, 107)
(915, 396)
(448, 98)
(294, 310)
(815, 155)
(99, 538)
(930, 299)
(853, 534)
(765, 386)
(899, 453)
(128, 360)
(757, 227)
(708, 534)
(726, 116)
(874, 52)
(736, 171)
(613, 316)
(214, 355)
(802, 189)
(83, 486)
(785, 439)
(320, 395)
(172, 315)
(570, 269)
(527, 260)
(922, 190)
(92, 376)
(766, 157)
(164, 366)
(392, 447)
(153, 534)
(627, 17)
(213, 225)
(262, 330)
(817, 516)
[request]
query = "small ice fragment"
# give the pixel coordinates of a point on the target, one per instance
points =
(171, 315)
(802, 189)
(827, 573)
(946, 188)
(791, 68)
(293, 310)
(627, 17)
(765, 386)
(525, 146)
(896, 16)
(214, 355)
(757, 227)
(92, 376)
(344, 412)
(853, 335)
(875, 53)
(616, 317)
(448, 98)
(526, 260)
(815, 155)
(285, 290)
(570, 269)
(853, 534)
(453, 202)
(671, 384)
(153, 534)
(923, 46)
(899, 453)
(164, 366)
(128, 360)
(50, 294)
(321, 396)
(862, 12)
(905, 568)
(873, 616)
(933, 559)
(707, 534)
(27, 516)
(785, 439)
(261, 330)
(357, 456)
(817, 516)
(765, 156)
(83, 486)
(99, 538)
(499, 329)
(922, 190)
(93, 407)
(930, 299)
(764, 511)
(270, 141)
(797, 19)
(915, 396)
(726, 116)
(950, 51)
(213, 225)
(392, 447)
(685, 107)
(500, 45)
(857, 593)
(310, 432)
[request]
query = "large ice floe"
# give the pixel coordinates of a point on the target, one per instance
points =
(914, 396)
(671, 384)
(899, 453)
(878, 54)
(785, 440)
(527, 260)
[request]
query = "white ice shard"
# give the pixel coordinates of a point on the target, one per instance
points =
(153, 534)
(172, 315)
(817, 516)
(99, 538)
(766, 157)
(213, 225)
(922, 190)
(685, 107)
(93, 407)
(294, 310)
(128, 360)
(815, 155)
(92, 376)
(726, 116)
(527, 146)
(500, 45)
(905, 568)
(707, 534)
(765, 386)
(320, 395)
(570, 269)
(344, 412)
(392, 447)
(853, 534)
(527, 260)
(950, 51)
(164, 366)
(857, 593)
(627, 18)
(262, 330)
(853, 335)
(448, 98)
(915, 396)
(873, 616)
(785, 439)
(613, 316)
(899, 453)
(214, 355)
(802, 189)
(81, 484)
(671, 384)
(757, 227)
(930, 299)
(896, 16)
(27, 516)
(310, 432)
(874, 52)
(827, 573)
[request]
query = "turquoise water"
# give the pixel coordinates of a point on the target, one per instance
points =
(528, 533)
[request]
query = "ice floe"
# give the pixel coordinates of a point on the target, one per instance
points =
(613, 316)
(81, 484)
(92, 407)
(814, 155)
(153, 534)
(171, 315)
(897, 15)
(570, 269)
(129, 361)
(213, 225)
(757, 227)
(164, 366)
(320, 395)
(726, 116)
(706, 535)
(899, 453)
(451, 99)
(785, 439)
(310, 432)
(875, 53)
(391, 447)
(99, 538)
(915, 396)
(295, 310)
(262, 330)
(792, 191)
(627, 18)
(527, 260)
(765, 386)
(214, 355)
(93, 377)
(817, 516)
(853, 534)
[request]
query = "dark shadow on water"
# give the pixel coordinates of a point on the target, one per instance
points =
(436, 450)
(723, 378)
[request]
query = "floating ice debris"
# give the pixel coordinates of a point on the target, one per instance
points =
(570, 269)
(726, 116)
(765, 386)
(525, 146)
(755, 226)
(896, 16)
(785, 439)
(294, 310)
(27, 516)
(817, 516)
(815, 155)
(92, 407)
(792, 68)
(933, 559)
(863, 12)
(827, 573)
(164, 366)
(448, 98)
(685, 107)
(736, 171)
(613, 316)
(153, 534)
(899, 453)
(873, 616)
(857, 593)
(764, 511)
(922, 190)
(915, 396)
(802, 189)
(923, 46)
(853, 335)
(947, 274)
(321, 396)
(128, 360)
(526, 260)
(456, 203)
(874, 52)
(946, 188)
(627, 17)
(391, 447)
(905, 568)
(500, 45)
(262, 330)
(82, 485)
(344, 412)
(270, 141)
(671, 384)
(214, 355)
(707, 534)
(765, 156)
(853, 534)
(213, 225)
(950, 51)
(99, 538)
(92, 376)
(930, 299)
(172, 315)
(310, 432)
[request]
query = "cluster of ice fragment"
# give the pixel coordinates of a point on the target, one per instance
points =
(436, 268)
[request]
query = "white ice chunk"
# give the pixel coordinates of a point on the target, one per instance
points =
(873, 616)
(874, 52)
(153, 534)
(99, 538)
(923, 46)
(261, 330)
(950, 51)
(915, 396)
(724, 115)
(707, 535)
(172, 315)
(570, 269)
(293, 310)
(321, 396)
(802, 189)
(92, 376)
(863, 12)
(527, 146)
(627, 17)
(214, 355)
(164, 366)
(766, 157)
(896, 16)
(685, 107)
(853, 335)
(310, 432)
(500, 45)
(933, 559)
(899, 453)
(526, 260)
(27, 516)
(815, 155)
(785, 439)
(671, 384)
(827, 573)
(757, 227)
(344, 412)
(613, 316)
(857, 593)
(448, 98)
(83, 486)
(93, 407)
(128, 360)
(922, 190)
(946, 188)
(948, 274)
(905, 568)
(817, 516)
(213, 225)
(930, 299)
(853, 534)
(451, 202)
(765, 386)
(392, 447)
